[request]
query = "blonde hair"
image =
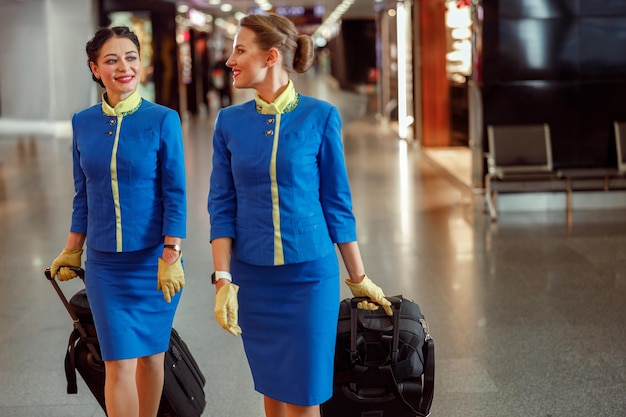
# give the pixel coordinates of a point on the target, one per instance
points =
(276, 31)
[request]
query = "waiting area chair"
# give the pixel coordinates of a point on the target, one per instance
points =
(519, 159)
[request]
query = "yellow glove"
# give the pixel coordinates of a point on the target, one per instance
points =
(367, 288)
(68, 257)
(226, 308)
(171, 278)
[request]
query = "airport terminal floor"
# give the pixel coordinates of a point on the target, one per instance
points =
(528, 314)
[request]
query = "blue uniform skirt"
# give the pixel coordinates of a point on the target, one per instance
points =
(288, 317)
(131, 317)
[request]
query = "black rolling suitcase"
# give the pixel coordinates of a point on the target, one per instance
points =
(183, 390)
(384, 366)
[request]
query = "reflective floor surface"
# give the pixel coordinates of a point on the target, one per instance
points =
(528, 314)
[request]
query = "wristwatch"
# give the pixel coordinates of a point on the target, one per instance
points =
(217, 275)
(175, 247)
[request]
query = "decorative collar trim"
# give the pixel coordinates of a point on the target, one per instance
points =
(125, 107)
(286, 102)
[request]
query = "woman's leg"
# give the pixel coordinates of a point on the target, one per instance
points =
(302, 411)
(133, 387)
(150, 374)
(120, 388)
(274, 408)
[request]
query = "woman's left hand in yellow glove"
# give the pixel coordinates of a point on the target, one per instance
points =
(366, 288)
(171, 278)
(227, 308)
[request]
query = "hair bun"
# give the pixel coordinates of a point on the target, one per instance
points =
(305, 54)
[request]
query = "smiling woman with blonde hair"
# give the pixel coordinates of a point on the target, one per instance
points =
(279, 201)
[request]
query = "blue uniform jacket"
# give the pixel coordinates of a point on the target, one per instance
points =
(279, 185)
(129, 177)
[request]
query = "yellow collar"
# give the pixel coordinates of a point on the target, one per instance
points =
(125, 107)
(287, 101)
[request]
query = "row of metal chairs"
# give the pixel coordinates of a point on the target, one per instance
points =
(519, 160)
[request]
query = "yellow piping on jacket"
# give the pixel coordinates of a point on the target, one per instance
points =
(279, 257)
(115, 186)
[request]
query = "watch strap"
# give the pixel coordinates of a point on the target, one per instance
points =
(217, 275)
(175, 247)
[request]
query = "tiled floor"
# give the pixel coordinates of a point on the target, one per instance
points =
(456, 161)
(528, 315)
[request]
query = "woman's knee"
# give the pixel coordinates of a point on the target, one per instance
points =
(120, 369)
(152, 362)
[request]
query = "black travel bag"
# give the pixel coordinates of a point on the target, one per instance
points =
(384, 366)
(183, 390)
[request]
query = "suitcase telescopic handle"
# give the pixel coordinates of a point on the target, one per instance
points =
(81, 273)
(77, 324)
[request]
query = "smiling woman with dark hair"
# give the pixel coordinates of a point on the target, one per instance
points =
(130, 209)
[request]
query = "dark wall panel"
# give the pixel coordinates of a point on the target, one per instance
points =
(602, 7)
(530, 102)
(538, 9)
(538, 49)
(603, 47)
(561, 62)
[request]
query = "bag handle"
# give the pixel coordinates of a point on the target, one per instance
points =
(396, 304)
(77, 325)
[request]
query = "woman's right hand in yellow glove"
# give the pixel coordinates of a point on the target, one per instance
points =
(170, 277)
(227, 308)
(68, 257)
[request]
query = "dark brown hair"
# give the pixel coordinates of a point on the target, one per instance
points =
(276, 31)
(94, 45)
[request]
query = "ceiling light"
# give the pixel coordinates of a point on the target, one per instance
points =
(326, 27)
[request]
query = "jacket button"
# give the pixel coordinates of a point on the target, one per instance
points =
(112, 121)
(110, 133)
(270, 121)
(269, 132)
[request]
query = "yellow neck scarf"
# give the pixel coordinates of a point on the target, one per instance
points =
(124, 107)
(284, 103)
